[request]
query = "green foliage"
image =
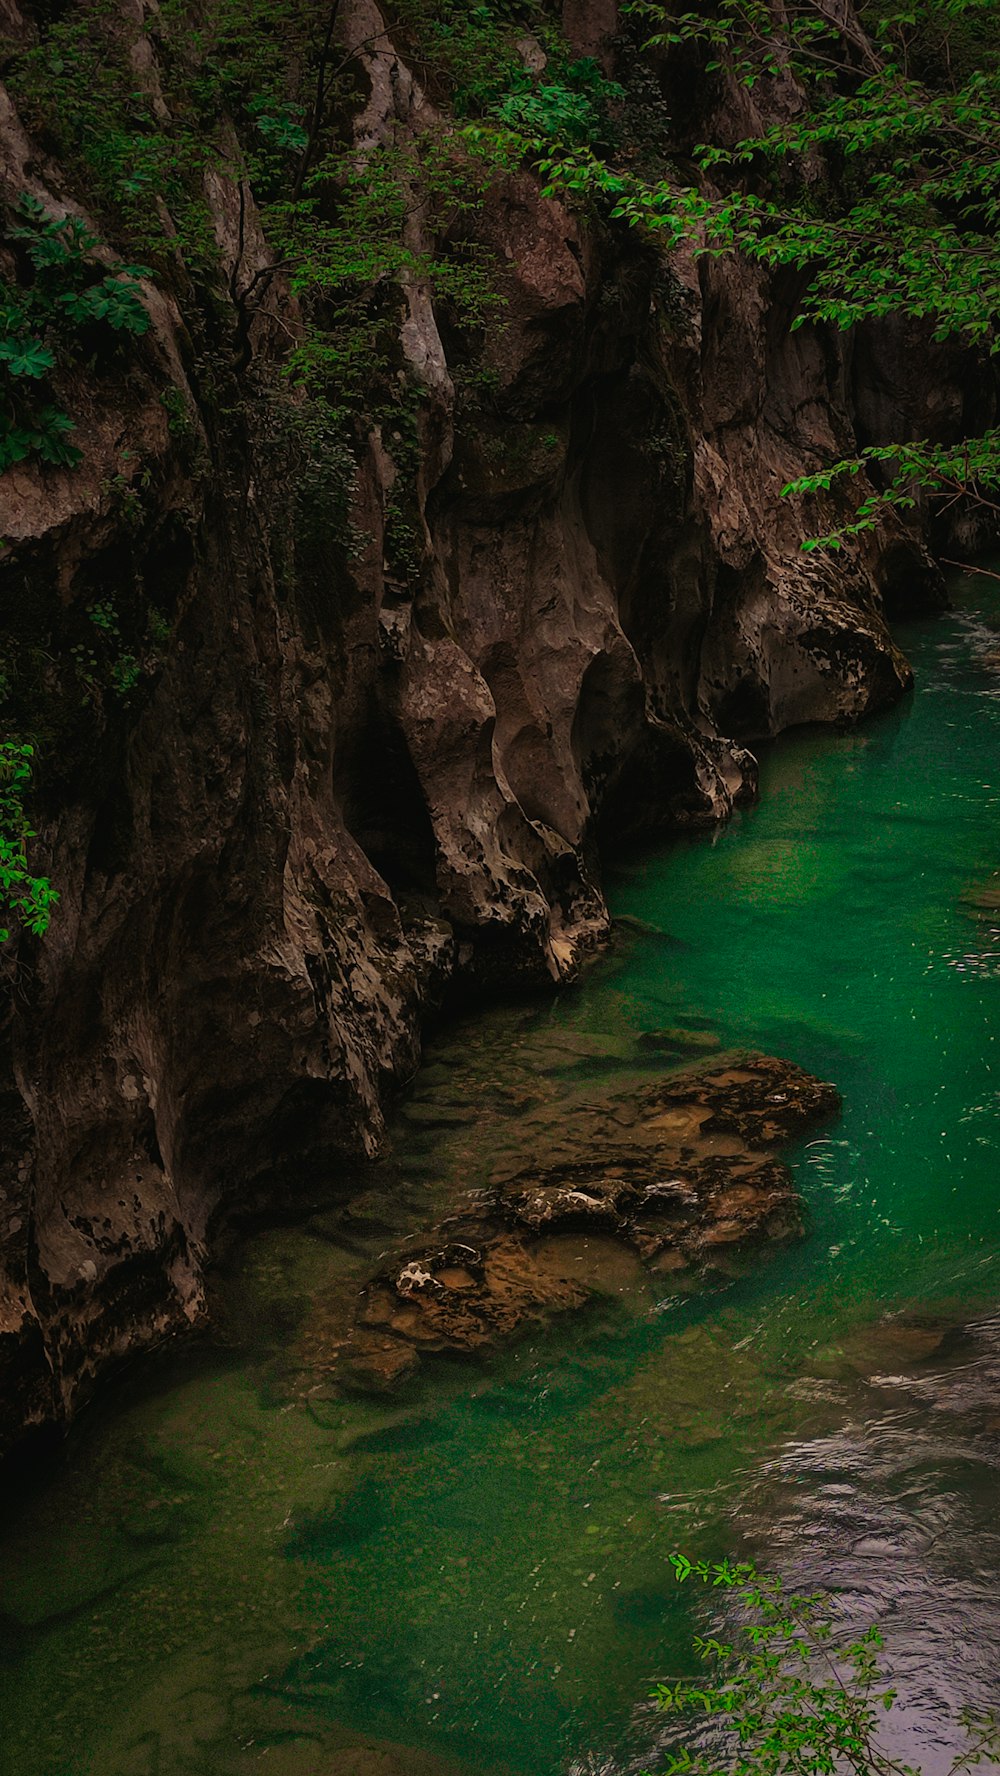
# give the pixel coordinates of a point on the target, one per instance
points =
(572, 110)
(24, 897)
(792, 1695)
(477, 54)
(742, 36)
(107, 660)
(125, 489)
(175, 406)
(23, 356)
(337, 223)
(78, 87)
(970, 469)
(36, 431)
(45, 320)
(880, 188)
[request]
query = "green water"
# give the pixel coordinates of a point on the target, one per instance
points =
(234, 1569)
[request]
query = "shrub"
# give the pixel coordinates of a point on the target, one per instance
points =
(792, 1695)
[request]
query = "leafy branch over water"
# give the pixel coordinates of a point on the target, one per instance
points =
(876, 192)
(789, 1696)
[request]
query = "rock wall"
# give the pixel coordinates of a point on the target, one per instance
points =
(342, 797)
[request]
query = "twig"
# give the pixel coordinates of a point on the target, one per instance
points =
(319, 101)
(967, 567)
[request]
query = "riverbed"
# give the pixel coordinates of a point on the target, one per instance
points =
(236, 1568)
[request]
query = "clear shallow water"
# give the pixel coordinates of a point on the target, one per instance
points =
(235, 1570)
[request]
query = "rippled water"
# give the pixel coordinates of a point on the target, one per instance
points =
(234, 1569)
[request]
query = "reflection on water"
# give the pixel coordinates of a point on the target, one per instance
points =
(236, 1568)
(899, 1505)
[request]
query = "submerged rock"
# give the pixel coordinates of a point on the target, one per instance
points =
(679, 1038)
(983, 897)
(683, 1174)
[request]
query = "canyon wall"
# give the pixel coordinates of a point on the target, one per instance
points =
(341, 795)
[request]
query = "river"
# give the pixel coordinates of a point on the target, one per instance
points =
(233, 1568)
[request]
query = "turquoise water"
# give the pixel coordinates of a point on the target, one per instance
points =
(234, 1569)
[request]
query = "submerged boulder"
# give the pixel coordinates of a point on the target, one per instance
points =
(682, 1173)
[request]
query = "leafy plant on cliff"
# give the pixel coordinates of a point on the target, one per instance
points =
(509, 62)
(878, 191)
(49, 317)
(791, 1695)
(24, 897)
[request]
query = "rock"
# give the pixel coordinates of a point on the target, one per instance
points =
(760, 1100)
(553, 1051)
(984, 897)
(679, 1038)
(433, 1113)
(377, 1365)
(631, 925)
(562, 1205)
(901, 1342)
(687, 1176)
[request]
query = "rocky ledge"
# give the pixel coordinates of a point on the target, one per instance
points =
(675, 1175)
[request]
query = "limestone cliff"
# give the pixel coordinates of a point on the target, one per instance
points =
(341, 792)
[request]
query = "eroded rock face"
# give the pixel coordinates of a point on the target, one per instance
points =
(339, 795)
(676, 1175)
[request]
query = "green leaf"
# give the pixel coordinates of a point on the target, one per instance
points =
(26, 357)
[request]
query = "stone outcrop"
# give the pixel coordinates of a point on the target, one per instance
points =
(682, 1173)
(338, 796)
